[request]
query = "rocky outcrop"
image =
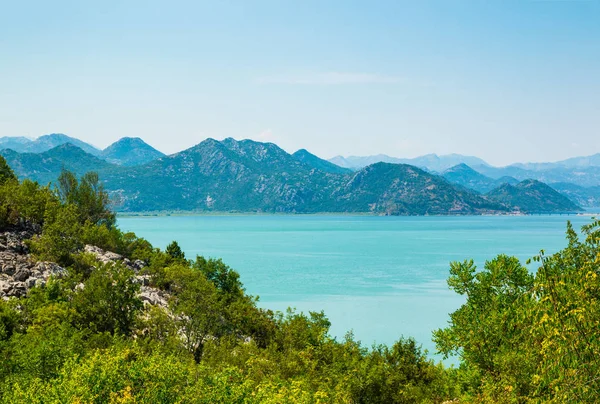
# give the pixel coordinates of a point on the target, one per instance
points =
(154, 297)
(18, 271)
(106, 257)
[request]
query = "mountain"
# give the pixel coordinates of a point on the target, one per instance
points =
(228, 175)
(584, 196)
(437, 163)
(582, 161)
(313, 161)
(505, 180)
(430, 162)
(46, 167)
(248, 176)
(532, 196)
(130, 151)
(357, 162)
(14, 142)
(573, 162)
(45, 143)
(407, 190)
(582, 176)
(463, 175)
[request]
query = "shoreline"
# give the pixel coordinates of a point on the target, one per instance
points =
(357, 214)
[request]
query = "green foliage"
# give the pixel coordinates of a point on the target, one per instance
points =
(530, 338)
(197, 308)
(6, 173)
(521, 337)
(22, 203)
(87, 195)
(225, 279)
(175, 251)
(9, 320)
(61, 236)
(107, 302)
(77, 214)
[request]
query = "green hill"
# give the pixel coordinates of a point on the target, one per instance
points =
(250, 176)
(407, 190)
(315, 162)
(532, 196)
(583, 196)
(130, 151)
(45, 167)
(44, 143)
(463, 175)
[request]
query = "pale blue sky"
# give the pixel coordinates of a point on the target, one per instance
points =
(504, 80)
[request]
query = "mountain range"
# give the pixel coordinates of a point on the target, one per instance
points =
(429, 162)
(126, 151)
(249, 176)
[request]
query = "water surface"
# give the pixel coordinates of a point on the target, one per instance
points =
(381, 277)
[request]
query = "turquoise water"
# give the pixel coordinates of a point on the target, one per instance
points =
(381, 277)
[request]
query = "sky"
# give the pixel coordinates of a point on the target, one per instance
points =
(507, 81)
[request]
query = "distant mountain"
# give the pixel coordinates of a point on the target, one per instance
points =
(574, 162)
(130, 151)
(465, 176)
(14, 142)
(430, 162)
(357, 162)
(438, 164)
(505, 180)
(583, 161)
(582, 176)
(45, 143)
(46, 167)
(532, 196)
(588, 197)
(250, 176)
(315, 162)
(228, 175)
(407, 190)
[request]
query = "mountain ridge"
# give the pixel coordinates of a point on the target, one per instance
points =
(250, 176)
(130, 151)
(533, 196)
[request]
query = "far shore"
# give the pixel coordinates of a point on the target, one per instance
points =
(590, 212)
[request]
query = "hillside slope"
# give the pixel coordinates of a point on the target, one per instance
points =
(532, 196)
(130, 151)
(46, 167)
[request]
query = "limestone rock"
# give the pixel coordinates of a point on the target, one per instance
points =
(21, 274)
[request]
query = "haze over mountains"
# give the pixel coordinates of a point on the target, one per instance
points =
(249, 176)
(430, 162)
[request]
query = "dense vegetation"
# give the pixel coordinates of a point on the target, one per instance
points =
(87, 337)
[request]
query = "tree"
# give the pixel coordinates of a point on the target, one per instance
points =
(108, 301)
(6, 173)
(222, 276)
(88, 195)
(175, 251)
(61, 235)
(196, 307)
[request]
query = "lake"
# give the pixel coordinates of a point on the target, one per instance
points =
(381, 277)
